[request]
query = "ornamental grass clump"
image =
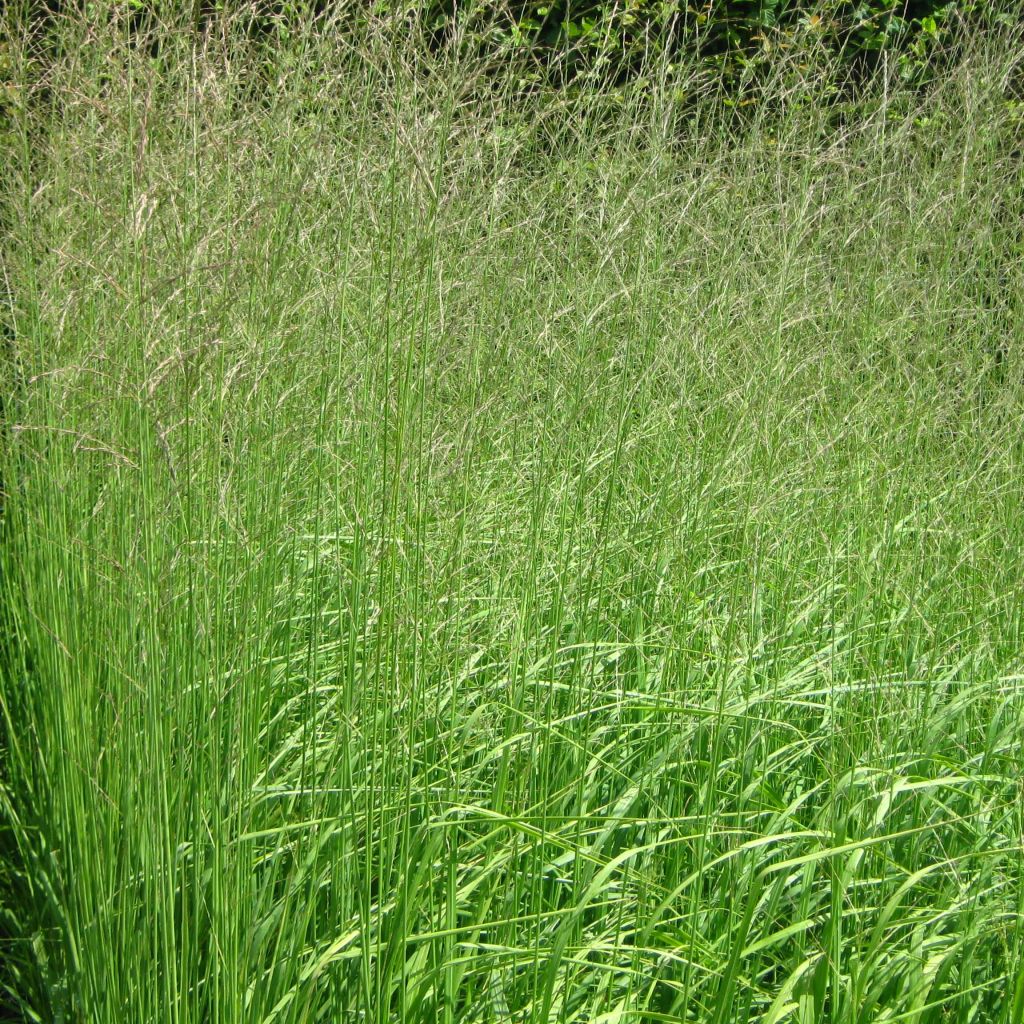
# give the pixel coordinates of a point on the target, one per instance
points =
(476, 555)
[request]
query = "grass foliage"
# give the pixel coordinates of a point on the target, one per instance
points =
(475, 559)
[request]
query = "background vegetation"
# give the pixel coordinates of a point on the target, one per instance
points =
(495, 537)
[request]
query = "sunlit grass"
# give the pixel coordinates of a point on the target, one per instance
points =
(469, 559)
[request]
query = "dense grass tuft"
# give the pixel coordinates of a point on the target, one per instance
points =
(470, 558)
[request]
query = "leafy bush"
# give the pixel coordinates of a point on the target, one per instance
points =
(617, 37)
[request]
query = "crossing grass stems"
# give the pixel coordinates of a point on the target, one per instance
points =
(470, 559)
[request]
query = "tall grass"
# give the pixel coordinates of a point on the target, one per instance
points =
(470, 557)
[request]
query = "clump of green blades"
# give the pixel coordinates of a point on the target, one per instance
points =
(475, 559)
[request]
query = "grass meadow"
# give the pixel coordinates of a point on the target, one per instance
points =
(475, 556)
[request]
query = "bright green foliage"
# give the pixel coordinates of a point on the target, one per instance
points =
(468, 560)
